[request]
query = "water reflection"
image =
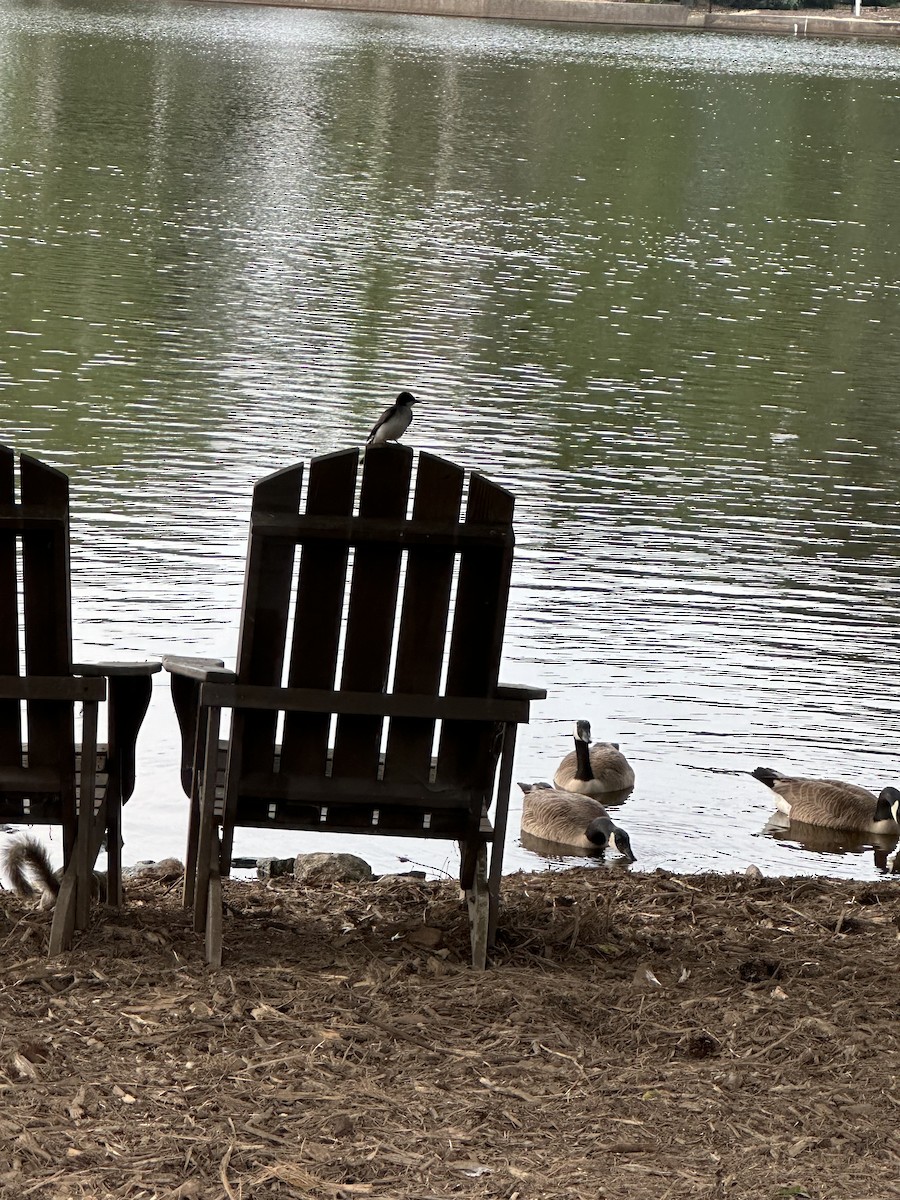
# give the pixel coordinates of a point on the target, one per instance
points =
(874, 846)
(555, 853)
(232, 235)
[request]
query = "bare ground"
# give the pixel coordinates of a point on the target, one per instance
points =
(346, 1050)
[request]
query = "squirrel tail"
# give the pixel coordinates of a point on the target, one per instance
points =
(29, 870)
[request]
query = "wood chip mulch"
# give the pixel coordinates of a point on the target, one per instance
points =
(638, 1036)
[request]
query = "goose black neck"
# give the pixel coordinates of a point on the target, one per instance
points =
(599, 832)
(583, 761)
(883, 809)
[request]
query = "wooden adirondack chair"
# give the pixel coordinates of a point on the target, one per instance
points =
(324, 643)
(45, 774)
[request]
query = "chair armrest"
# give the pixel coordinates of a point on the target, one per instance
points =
(519, 691)
(188, 676)
(129, 687)
(204, 670)
(110, 669)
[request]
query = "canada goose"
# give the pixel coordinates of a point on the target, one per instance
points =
(595, 770)
(570, 820)
(831, 803)
(393, 422)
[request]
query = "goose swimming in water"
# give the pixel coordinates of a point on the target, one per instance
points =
(569, 819)
(393, 422)
(833, 804)
(593, 770)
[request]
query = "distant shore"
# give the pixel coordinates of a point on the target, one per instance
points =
(874, 24)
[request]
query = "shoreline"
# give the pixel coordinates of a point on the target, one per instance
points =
(621, 13)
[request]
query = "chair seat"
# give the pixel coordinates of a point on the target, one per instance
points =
(402, 809)
(32, 795)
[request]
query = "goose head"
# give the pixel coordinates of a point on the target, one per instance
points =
(602, 832)
(583, 734)
(888, 805)
(583, 731)
(622, 842)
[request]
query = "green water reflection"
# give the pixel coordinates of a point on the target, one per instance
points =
(649, 282)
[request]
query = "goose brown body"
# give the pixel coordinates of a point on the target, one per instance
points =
(569, 819)
(831, 803)
(593, 770)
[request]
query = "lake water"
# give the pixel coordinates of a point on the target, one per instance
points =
(647, 281)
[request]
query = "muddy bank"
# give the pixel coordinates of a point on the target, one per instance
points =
(640, 1036)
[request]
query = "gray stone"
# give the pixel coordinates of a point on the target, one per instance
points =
(166, 870)
(331, 868)
(270, 868)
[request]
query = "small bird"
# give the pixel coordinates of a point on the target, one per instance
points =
(393, 422)
(831, 803)
(579, 822)
(593, 770)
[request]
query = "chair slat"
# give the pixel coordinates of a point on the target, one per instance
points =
(423, 621)
(394, 704)
(318, 609)
(48, 621)
(467, 752)
(391, 820)
(264, 617)
(10, 712)
(372, 606)
(356, 531)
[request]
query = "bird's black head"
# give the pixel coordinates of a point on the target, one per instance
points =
(406, 398)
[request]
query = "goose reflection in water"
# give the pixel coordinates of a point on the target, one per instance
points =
(561, 854)
(800, 836)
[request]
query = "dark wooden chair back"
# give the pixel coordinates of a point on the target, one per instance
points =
(365, 697)
(382, 573)
(37, 756)
(48, 775)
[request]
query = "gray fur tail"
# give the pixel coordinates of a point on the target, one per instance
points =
(27, 863)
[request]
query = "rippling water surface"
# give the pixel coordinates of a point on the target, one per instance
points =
(649, 282)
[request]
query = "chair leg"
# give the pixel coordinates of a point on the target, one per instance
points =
(214, 909)
(478, 899)
(62, 927)
(207, 840)
(202, 876)
(190, 857)
(501, 813)
(84, 839)
(114, 851)
(76, 889)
